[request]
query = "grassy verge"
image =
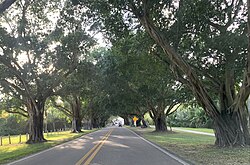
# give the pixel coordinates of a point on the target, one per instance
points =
(206, 130)
(196, 148)
(15, 151)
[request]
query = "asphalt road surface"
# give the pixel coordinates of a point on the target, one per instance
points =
(109, 146)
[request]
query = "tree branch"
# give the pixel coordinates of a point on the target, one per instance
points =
(12, 85)
(24, 113)
(170, 109)
(245, 88)
(193, 80)
(63, 109)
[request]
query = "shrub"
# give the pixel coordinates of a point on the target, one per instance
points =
(191, 116)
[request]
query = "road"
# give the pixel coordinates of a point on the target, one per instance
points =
(109, 146)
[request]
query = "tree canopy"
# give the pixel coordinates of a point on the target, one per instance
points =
(161, 50)
(200, 41)
(38, 55)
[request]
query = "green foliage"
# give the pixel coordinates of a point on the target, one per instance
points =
(13, 125)
(209, 35)
(139, 78)
(38, 55)
(148, 119)
(190, 116)
(55, 119)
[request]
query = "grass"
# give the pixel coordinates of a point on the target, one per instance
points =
(206, 130)
(198, 149)
(16, 151)
(15, 139)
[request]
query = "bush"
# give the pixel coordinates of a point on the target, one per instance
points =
(148, 119)
(4, 131)
(13, 125)
(190, 116)
(56, 123)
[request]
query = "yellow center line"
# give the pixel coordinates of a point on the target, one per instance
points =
(86, 155)
(90, 151)
(97, 150)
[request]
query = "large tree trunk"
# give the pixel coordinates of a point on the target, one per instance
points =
(144, 123)
(77, 120)
(231, 130)
(138, 122)
(126, 119)
(160, 123)
(95, 123)
(248, 113)
(159, 118)
(231, 124)
(102, 122)
(36, 115)
(73, 125)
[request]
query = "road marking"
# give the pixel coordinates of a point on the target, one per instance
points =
(94, 150)
(90, 151)
(162, 150)
(44, 151)
(97, 150)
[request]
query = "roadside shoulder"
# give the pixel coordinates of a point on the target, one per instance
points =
(164, 150)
